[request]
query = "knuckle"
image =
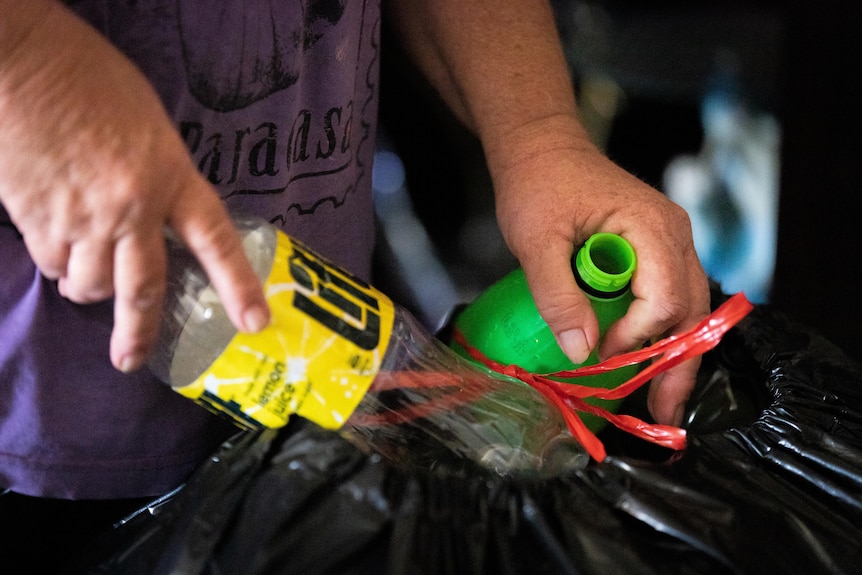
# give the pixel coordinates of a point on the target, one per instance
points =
(143, 297)
(679, 215)
(562, 313)
(670, 311)
(51, 262)
(219, 242)
(558, 308)
(146, 301)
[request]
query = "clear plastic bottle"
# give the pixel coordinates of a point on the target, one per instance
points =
(341, 354)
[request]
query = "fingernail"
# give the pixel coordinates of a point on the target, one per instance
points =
(255, 318)
(574, 345)
(130, 362)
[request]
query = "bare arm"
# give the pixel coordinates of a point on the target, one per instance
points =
(500, 66)
(92, 171)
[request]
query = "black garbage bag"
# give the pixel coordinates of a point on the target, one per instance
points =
(771, 482)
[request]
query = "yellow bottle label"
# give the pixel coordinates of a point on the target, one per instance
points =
(317, 358)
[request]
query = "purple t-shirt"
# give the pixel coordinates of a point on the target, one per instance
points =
(277, 103)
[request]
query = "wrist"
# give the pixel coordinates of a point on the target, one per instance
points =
(530, 140)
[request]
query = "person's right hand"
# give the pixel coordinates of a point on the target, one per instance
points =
(92, 171)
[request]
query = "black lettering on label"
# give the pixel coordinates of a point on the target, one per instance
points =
(343, 295)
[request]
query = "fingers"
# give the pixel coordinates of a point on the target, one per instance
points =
(661, 302)
(126, 260)
(139, 284)
(672, 296)
(132, 270)
(89, 275)
(549, 201)
(203, 224)
(669, 392)
(93, 215)
(562, 304)
(50, 256)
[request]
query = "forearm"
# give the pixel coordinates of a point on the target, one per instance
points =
(499, 65)
(18, 21)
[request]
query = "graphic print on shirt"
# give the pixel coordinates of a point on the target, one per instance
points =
(305, 79)
(264, 56)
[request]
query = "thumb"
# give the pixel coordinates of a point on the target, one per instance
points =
(562, 304)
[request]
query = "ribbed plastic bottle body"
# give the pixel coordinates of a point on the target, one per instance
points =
(505, 325)
(425, 404)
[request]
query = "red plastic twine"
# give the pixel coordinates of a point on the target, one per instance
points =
(569, 397)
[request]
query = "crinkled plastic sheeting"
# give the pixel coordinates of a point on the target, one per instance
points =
(771, 482)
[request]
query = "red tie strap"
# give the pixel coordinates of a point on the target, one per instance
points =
(671, 351)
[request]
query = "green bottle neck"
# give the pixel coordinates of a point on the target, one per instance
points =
(604, 265)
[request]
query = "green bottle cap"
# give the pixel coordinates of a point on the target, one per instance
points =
(605, 264)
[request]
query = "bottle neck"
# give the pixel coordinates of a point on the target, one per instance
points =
(604, 266)
(600, 293)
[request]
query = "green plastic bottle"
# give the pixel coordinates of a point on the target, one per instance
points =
(504, 324)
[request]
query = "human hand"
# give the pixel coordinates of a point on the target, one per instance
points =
(502, 70)
(556, 192)
(93, 172)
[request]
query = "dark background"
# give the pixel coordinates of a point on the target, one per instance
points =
(799, 61)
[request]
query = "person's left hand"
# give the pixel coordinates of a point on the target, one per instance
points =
(556, 191)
